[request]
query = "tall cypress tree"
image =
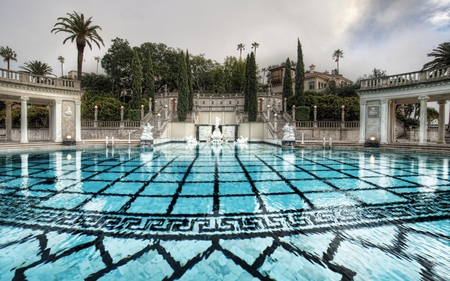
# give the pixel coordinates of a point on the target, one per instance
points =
(150, 79)
(300, 76)
(246, 94)
(190, 94)
(136, 81)
(183, 90)
(287, 80)
(252, 89)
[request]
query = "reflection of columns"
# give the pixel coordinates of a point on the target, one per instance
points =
(423, 120)
(58, 119)
(24, 120)
(384, 121)
(8, 120)
(441, 121)
(78, 121)
(362, 121)
(24, 173)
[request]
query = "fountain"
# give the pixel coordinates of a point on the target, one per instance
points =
(217, 137)
(191, 140)
(288, 135)
(241, 140)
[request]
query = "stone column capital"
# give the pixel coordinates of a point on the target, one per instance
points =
(9, 102)
(24, 98)
(58, 101)
(442, 102)
(423, 98)
(78, 103)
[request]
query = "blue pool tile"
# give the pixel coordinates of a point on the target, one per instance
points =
(232, 177)
(377, 196)
(350, 184)
(230, 169)
(266, 187)
(258, 168)
(311, 185)
(197, 189)
(203, 169)
(138, 176)
(239, 204)
(283, 202)
(264, 176)
(156, 188)
(189, 205)
(175, 169)
(297, 175)
(169, 177)
(330, 199)
(200, 177)
(428, 180)
(106, 203)
(88, 186)
(412, 189)
(388, 182)
(32, 193)
(122, 169)
(123, 188)
(148, 169)
(150, 205)
(21, 182)
(65, 200)
(328, 174)
(108, 176)
(226, 188)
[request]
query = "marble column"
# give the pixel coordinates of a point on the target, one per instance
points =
(78, 121)
(392, 122)
(441, 121)
(8, 120)
(51, 118)
(58, 120)
(24, 120)
(362, 121)
(384, 121)
(423, 120)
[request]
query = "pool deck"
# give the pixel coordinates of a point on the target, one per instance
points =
(14, 146)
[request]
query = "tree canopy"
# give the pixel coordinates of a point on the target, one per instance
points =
(8, 55)
(441, 56)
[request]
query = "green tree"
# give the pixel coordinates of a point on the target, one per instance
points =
(149, 79)
(240, 47)
(202, 73)
(8, 55)
(61, 59)
(190, 94)
(441, 56)
(136, 82)
(299, 76)
(338, 54)
(117, 65)
(247, 80)
(251, 89)
(287, 79)
(98, 83)
(108, 106)
(183, 89)
(37, 68)
(81, 31)
(255, 45)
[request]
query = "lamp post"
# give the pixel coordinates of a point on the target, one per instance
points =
(95, 115)
(142, 112)
(293, 113)
(165, 111)
(275, 121)
(121, 116)
(159, 120)
(315, 116)
(285, 104)
(343, 116)
(150, 106)
(268, 111)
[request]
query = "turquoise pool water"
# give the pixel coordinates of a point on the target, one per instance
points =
(249, 212)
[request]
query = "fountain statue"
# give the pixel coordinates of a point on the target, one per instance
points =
(288, 135)
(147, 134)
(191, 140)
(217, 135)
(241, 140)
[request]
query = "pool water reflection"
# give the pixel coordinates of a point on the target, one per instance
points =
(248, 212)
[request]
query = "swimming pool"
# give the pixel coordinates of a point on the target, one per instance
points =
(224, 212)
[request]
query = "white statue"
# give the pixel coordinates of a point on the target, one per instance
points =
(241, 140)
(191, 140)
(217, 136)
(289, 134)
(217, 122)
(147, 132)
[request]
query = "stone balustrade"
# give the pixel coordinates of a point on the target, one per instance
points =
(38, 80)
(440, 73)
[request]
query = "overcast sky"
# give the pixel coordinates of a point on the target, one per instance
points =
(392, 35)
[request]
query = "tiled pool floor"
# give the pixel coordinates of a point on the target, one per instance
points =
(255, 212)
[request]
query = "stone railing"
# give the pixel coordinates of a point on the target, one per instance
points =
(440, 73)
(110, 124)
(37, 80)
(327, 124)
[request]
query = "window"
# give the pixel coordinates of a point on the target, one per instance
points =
(230, 102)
(212, 102)
(203, 102)
(221, 102)
(311, 85)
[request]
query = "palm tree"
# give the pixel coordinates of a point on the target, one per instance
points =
(98, 60)
(336, 56)
(37, 68)
(264, 75)
(8, 55)
(81, 31)
(255, 45)
(441, 56)
(61, 60)
(240, 47)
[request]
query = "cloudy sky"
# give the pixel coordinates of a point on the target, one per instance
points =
(392, 35)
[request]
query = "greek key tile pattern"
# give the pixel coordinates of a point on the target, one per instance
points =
(225, 212)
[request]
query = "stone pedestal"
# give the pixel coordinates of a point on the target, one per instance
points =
(69, 142)
(288, 143)
(146, 142)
